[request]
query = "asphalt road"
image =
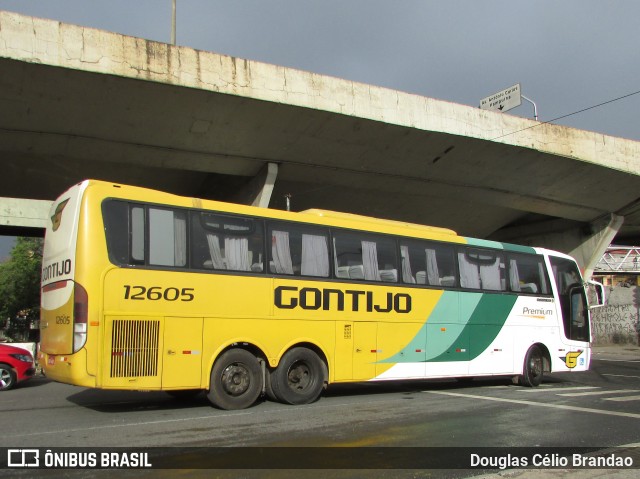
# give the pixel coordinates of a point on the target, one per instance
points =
(599, 409)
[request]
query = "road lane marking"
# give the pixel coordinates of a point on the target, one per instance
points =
(539, 404)
(596, 393)
(552, 389)
(128, 424)
(621, 376)
(623, 398)
(619, 360)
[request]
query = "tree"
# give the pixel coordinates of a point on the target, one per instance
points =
(20, 287)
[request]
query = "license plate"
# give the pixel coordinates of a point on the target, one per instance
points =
(51, 360)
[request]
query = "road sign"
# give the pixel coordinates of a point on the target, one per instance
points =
(503, 100)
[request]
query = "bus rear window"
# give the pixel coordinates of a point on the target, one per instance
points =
(138, 234)
(116, 225)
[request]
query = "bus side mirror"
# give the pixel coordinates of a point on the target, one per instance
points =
(596, 294)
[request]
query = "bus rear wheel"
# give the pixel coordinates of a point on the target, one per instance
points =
(533, 368)
(299, 378)
(236, 380)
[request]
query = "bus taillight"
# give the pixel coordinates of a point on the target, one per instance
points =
(80, 313)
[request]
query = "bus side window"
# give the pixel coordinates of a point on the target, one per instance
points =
(115, 215)
(167, 237)
(299, 250)
(527, 274)
(137, 235)
(365, 257)
(222, 242)
(425, 262)
(482, 269)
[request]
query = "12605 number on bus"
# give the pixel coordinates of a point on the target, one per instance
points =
(158, 293)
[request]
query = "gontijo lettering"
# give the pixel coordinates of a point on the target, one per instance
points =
(54, 270)
(291, 297)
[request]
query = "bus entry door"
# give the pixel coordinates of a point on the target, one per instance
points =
(182, 353)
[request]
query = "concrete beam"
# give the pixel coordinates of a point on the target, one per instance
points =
(338, 144)
(23, 213)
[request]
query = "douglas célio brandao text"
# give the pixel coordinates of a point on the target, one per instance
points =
(507, 461)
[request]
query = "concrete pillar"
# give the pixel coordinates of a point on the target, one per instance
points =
(267, 178)
(257, 192)
(593, 246)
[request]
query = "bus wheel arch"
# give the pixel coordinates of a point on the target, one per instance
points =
(236, 379)
(536, 362)
(300, 376)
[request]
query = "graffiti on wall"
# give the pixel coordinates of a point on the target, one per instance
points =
(618, 321)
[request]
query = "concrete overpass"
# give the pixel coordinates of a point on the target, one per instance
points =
(78, 102)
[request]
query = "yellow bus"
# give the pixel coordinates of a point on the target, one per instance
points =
(145, 290)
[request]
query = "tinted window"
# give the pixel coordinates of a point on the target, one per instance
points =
(424, 262)
(222, 242)
(573, 301)
(527, 274)
(116, 226)
(167, 237)
(139, 234)
(365, 257)
(481, 269)
(298, 250)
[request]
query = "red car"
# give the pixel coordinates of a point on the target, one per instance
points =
(16, 365)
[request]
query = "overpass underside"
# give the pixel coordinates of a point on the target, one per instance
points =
(79, 103)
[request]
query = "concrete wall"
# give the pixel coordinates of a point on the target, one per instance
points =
(619, 320)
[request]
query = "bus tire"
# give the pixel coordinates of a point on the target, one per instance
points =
(236, 380)
(8, 377)
(268, 390)
(533, 369)
(299, 378)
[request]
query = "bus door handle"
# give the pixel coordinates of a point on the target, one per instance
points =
(171, 352)
(358, 350)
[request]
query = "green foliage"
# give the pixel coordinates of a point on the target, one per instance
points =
(20, 285)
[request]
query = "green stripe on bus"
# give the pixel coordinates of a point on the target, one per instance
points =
(460, 328)
(480, 329)
(515, 248)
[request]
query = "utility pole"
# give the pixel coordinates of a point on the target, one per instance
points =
(173, 22)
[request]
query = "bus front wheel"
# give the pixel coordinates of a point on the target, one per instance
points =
(299, 378)
(236, 380)
(533, 368)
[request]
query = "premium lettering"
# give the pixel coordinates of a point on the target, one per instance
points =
(539, 311)
(291, 297)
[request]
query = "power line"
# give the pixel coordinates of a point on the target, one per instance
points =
(567, 115)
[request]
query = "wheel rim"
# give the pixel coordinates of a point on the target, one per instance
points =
(299, 376)
(5, 378)
(535, 366)
(236, 379)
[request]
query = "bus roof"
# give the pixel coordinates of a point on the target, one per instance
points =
(317, 216)
(378, 221)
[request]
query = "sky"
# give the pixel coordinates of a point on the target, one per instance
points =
(568, 55)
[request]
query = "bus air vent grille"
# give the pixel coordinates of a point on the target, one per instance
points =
(134, 348)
